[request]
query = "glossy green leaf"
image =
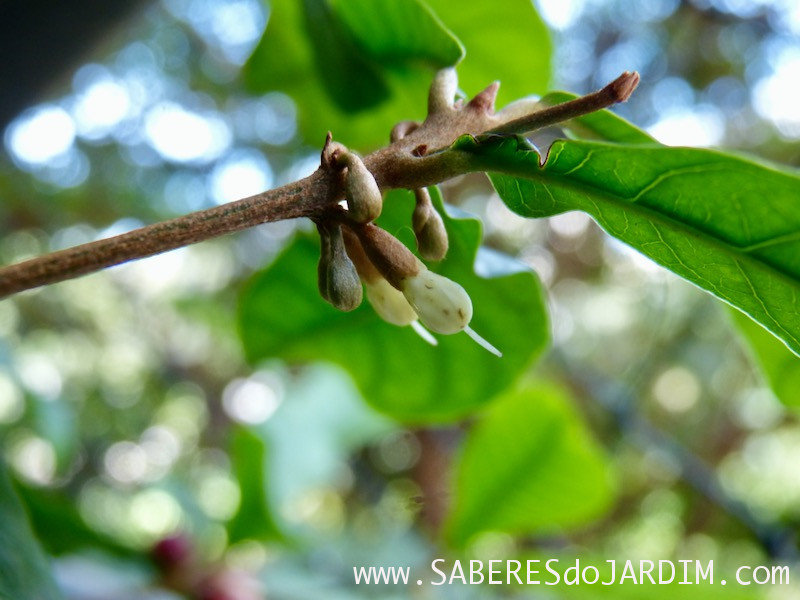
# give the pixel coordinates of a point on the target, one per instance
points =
(529, 467)
(724, 223)
(601, 125)
(24, 572)
(396, 32)
(779, 365)
(288, 58)
(282, 315)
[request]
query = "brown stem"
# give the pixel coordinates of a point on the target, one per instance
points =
(399, 165)
(290, 201)
(618, 90)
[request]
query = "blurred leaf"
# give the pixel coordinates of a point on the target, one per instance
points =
(779, 365)
(253, 520)
(24, 572)
(315, 431)
(291, 58)
(601, 125)
(505, 41)
(394, 32)
(58, 524)
(726, 224)
(284, 57)
(282, 315)
(352, 81)
(529, 466)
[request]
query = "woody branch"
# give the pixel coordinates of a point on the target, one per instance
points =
(418, 156)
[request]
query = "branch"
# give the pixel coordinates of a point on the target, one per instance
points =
(411, 161)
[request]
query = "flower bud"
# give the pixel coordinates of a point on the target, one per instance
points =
(443, 305)
(390, 303)
(428, 228)
(364, 201)
(443, 90)
(391, 259)
(337, 278)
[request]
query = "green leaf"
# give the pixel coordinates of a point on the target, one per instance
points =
(282, 315)
(779, 366)
(291, 59)
(24, 572)
(352, 81)
(729, 225)
(307, 52)
(506, 41)
(529, 467)
(253, 520)
(601, 125)
(396, 32)
(342, 77)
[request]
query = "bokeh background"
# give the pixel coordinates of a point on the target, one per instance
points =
(129, 414)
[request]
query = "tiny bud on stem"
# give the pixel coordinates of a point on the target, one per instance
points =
(443, 91)
(337, 278)
(484, 101)
(364, 200)
(428, 227)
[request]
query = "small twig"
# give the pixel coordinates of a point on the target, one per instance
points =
(411, 161)
(618, 90)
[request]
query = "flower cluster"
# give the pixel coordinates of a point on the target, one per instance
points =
(401, 289)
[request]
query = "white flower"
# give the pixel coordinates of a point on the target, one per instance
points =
(390, 303)
(443, 305)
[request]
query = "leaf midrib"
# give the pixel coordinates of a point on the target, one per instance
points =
(735, 252)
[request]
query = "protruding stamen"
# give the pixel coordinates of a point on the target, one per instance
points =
(482, 341)
(424, 333)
